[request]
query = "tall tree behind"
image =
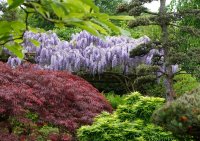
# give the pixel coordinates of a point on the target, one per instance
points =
(190, 44)
(8, 15)
(108, 6)
(166, 20)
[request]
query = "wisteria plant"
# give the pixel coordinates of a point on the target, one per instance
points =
(84, 52)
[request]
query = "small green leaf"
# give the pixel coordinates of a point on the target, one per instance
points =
(18, 26)
(88, 27)
(5, 27)
(125, 32)
(121, 17)
(19, 41)
(113, 27)
(99, 28)
(14, 3)
(16, 49)
(1, 49)
(36, 30)
(102, 24)
(39, 9)
(91, 4)
(35, 42)
(58, 10)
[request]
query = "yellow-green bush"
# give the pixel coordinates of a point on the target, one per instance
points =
(130, 122)
(184, 83)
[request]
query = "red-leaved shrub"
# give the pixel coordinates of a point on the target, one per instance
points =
(59, 98)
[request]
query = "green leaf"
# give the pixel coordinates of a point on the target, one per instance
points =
(1, 49)
(14, 3)
(88, 27)
(36, 30)
(113, 27)
(102, 24)
(18, 26)
(35, 42)
(72, 6)
(19, 41)
(125, 32)
(4, 37)
(91, 4)
(16, 49)
(121, 17)
(99, 28)
(39, 9)
(57, 8)
(5, 27)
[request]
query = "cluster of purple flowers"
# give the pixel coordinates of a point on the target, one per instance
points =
(85, 52)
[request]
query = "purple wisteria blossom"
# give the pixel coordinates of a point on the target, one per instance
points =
(85, 52)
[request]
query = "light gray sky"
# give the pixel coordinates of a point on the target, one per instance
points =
(153, 6)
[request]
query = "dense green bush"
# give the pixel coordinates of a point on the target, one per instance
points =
(130, 122)
(65, 33)
(114, 99)
(182, 116)
(146, 81)
(184, 83)
(137, 106)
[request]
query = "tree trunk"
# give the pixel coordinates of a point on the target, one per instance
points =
(170, 95)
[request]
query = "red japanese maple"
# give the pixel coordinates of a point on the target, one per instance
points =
(59, 98)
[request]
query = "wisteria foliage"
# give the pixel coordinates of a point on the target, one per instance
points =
(84, 52)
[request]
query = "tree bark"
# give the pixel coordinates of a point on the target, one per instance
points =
(168, 82)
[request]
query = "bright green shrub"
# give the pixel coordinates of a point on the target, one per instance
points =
(184, 83)
(114, 99)
(182, 116)
(138, 106)
(130, 122)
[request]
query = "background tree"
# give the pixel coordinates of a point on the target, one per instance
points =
(189, 43)
(181, 116)
(8, 15)
(167, 56)
(106, 6)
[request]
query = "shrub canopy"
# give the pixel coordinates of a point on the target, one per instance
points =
(58, 98)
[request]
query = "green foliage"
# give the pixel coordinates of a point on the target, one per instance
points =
(130, 122)
(190, 41)
(137, 106)
(152, 31)
(66, 32)
(146, 81)
(34, 128)
(165, 21)
(184, 83)
(156, 89)
(37, 21)
(181, 116)
(47, 130)
(106, 6)
(9, 14)
(32, 116)
(192, 64)
(140, 50)
(14, 3)
(115, 100)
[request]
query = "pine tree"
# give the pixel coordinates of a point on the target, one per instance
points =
(166, 20)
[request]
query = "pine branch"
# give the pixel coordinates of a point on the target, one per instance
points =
(190, 30)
